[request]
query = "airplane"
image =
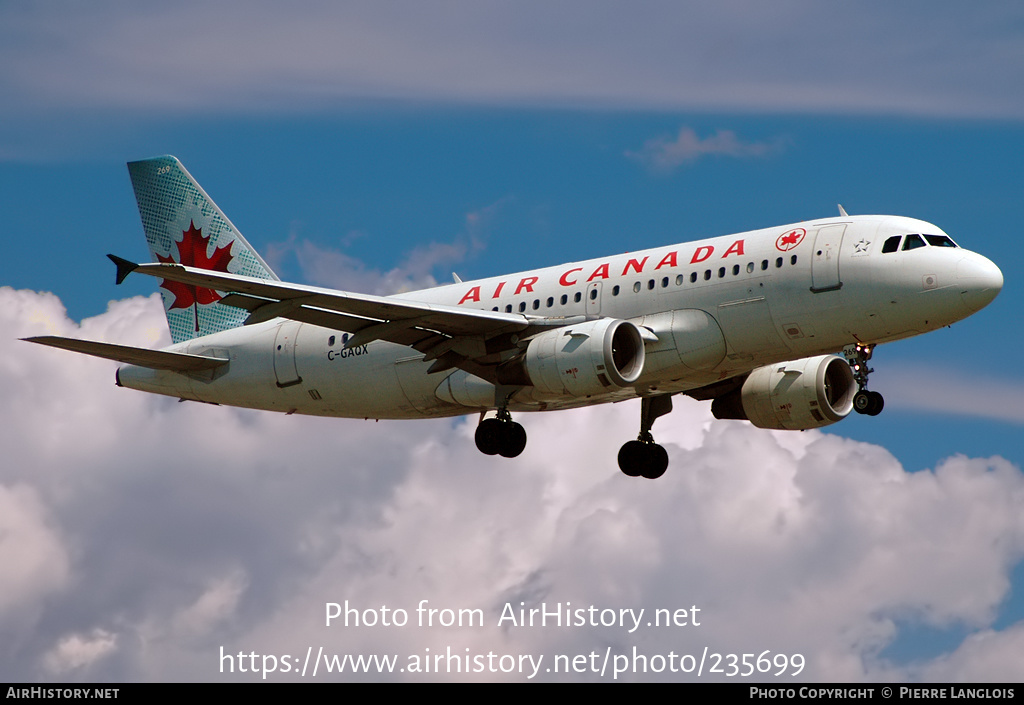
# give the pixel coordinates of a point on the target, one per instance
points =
(774, 326)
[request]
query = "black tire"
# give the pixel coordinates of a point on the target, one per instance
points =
(862, 402)
(488, 436)
(657, 461)
(513, 440)
(877, 404)
(631, 456)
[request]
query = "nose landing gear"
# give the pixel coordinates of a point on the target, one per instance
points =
(864, 402)
(643, 457)
(870, 403)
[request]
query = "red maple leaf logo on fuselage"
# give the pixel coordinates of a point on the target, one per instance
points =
(787, 241)
(192, 253)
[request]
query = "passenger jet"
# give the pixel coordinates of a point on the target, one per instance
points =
(774, 326)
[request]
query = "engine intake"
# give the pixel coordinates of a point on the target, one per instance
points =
(797, 395)
(583, 360)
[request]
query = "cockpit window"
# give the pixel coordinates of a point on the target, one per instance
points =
(913, 242)
(892, 244)
(939, 241)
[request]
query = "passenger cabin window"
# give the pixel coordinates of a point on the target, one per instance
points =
(913, 242)
(892, 244)
(578, 297)
(564, 299)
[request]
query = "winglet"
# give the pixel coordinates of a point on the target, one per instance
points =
(842, 211)
(124, 267)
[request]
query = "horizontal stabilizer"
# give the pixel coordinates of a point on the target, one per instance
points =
(153, 359)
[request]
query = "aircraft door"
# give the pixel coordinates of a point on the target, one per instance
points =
(825, 258)
(284, 354)
(594, 298)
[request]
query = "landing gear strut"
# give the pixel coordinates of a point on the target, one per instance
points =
(500, 436)
(643, 457)
(864, 402)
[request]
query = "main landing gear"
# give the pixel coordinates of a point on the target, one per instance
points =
(643, 457)
(864, 402)
(500, 436)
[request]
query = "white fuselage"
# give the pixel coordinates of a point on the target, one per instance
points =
(715, 309)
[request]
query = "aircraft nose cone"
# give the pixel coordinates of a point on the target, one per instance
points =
(979, 280)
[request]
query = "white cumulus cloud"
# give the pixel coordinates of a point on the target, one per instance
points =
(665, 154)
(160, 532)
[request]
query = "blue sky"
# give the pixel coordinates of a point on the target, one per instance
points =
(378, 148)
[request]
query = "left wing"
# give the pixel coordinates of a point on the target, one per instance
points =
(469, 339)
(154, 359)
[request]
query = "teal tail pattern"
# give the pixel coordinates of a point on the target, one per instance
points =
(184, 225)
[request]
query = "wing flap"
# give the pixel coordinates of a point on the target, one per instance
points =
(393, 333)
(153, 359)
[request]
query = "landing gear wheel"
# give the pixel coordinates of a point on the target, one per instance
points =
(877, 403)
(631, 456)
(502, 437)
(657, 462)
(514, 440)
(861, 402)
(488, 436)
(639, 459)
(643, 457)
(870, 403)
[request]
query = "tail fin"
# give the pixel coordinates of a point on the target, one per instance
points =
(184, 225)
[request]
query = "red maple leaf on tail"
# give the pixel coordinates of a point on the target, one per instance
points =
(192, 253)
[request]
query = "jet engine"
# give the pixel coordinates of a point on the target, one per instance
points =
(582, 360)
(796, 395)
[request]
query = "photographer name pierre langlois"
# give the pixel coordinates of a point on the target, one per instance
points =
(557, 615)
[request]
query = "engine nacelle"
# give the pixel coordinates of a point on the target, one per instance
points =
(586, 359)
(796, 395)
